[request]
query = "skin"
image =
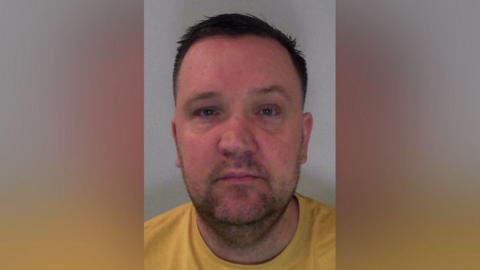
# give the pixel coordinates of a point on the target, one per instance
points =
(241, 137)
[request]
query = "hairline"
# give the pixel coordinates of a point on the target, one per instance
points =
(237, 36)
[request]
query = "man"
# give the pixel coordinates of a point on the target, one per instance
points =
(241, 137)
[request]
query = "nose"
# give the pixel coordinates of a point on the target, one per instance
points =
(237, 139)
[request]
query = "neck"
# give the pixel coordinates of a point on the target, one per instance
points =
(263, 248)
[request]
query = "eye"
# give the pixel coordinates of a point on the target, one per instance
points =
(269, 110)
(206, 112)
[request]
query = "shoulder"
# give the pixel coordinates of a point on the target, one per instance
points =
(166, 238)
(165, 225)
(319, 213)
(321, 226)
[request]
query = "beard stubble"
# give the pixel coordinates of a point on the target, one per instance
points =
(235, 231)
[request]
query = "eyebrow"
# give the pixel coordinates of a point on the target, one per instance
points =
(202, 96)
(274, 89)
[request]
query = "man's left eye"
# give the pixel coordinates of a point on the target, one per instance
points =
(269, 110)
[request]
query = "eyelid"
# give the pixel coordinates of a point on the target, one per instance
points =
(198, 112)
(276, 108)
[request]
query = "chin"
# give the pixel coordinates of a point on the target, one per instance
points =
(243, 209)
(241, 215)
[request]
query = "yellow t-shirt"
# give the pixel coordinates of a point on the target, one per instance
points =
(172, 241)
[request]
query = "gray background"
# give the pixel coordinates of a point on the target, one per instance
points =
(311, 22)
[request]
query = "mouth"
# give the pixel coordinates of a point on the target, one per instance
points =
(238, 177)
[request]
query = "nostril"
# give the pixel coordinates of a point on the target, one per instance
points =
(238, 160)
(235, 143)
(237, 164)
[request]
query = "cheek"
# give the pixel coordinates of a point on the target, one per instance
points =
(281, 154)
(282, 146)
(196, 152)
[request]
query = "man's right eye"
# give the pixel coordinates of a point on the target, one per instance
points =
(206, 112)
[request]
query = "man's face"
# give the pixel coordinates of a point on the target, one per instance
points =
(240, 130)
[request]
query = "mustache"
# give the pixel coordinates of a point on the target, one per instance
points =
(246, 164)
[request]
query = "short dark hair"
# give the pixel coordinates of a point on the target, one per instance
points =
(234, 25)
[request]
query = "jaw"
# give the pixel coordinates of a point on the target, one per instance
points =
(239, 236)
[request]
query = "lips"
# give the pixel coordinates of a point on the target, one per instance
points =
(238, 177)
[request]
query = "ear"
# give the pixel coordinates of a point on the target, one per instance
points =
(307, 131)
(178, 162)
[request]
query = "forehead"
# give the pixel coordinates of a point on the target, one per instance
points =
(236, 64)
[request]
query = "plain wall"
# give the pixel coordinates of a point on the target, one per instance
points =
(311, 22)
